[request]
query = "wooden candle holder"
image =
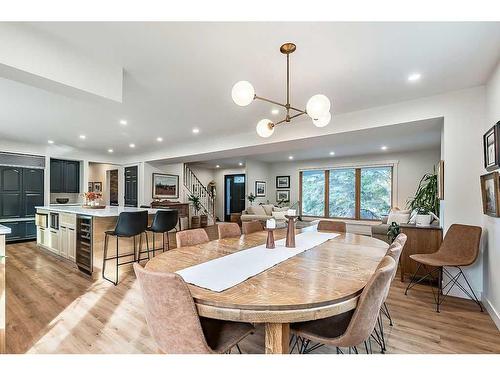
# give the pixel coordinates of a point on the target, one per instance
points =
(290, 233)
(270, 238)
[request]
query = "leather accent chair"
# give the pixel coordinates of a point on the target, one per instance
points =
(459, 248)
(174, 322)
(191, 237)
(332, 226)
(251, 227)
(228, 230)
(352, 328)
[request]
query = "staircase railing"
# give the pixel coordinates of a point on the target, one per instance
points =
(195, 187)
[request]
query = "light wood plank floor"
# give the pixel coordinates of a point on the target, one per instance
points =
(52, 308)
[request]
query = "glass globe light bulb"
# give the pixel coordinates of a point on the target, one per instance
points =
(317, 106)
(324, 120)
(265, 128)
(243, 93)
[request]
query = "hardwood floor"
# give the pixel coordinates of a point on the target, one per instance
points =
(52, 308)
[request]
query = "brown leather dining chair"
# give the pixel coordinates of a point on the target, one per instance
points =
(332, 226)
(352, 328)
(191, 237)
(251, 226)
(228, 230)
(459, 248)
(174, 322)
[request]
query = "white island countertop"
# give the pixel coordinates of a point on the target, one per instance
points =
(4, 230)
(109, 211)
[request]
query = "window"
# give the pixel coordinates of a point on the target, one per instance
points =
(376, 188)
(351, 193)
(313, 193)
(342, 197)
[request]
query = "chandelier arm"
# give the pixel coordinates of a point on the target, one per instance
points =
(269, 101)
(297, 115)
(298, 110)
(279, 122)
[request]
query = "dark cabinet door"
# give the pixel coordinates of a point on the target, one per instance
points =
(72, 177)
(131, 186)
(56, 176)
(17, 230)
(32, 190)
(10, 192)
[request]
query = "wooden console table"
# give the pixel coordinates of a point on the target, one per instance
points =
(182, 208)
(421, 240)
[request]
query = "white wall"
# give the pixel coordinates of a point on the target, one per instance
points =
(147, 181)
(491, 256)
(411, 166)
(259, 171)
(219, 188)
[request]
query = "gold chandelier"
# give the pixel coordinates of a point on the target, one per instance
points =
(317, 107)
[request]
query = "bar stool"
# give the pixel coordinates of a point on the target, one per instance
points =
(129, 225)
(163, 222)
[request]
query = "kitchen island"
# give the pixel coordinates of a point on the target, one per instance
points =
(77, 234)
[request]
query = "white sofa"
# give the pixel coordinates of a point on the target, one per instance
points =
(264, 212)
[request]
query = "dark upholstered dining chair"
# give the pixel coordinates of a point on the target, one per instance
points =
(332, 226)
(352, 328)
(191, 237)
(174, 322)
(249, 227)
(459, 248)
(228, 230)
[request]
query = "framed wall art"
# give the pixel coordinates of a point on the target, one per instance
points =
(282, 182)
(491, 148)
(260, 188)
(165, 186)
(490, 194)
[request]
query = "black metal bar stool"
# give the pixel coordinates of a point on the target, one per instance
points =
(163, 222)
(129, 225)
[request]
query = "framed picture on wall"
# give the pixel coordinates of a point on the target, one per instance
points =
(260, 188)
(282, 182)
(90, 187)
(440, 179)
(282, 196)
(165, 186)
(490, 194)
(491, 148)
(97, 188)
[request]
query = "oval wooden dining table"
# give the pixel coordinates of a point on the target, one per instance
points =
(321, 282)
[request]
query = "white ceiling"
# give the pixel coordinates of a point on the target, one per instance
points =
(412, 136)
(179, 76)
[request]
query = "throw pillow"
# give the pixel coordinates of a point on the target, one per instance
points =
(281, 209)
(279, 215)
(398, 218)
(268, 208)
(256, 210)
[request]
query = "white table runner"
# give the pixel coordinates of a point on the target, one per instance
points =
(225, 272)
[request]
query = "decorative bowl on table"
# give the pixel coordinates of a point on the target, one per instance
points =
(62, 200)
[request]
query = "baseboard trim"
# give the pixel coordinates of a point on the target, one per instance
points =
(491, 310)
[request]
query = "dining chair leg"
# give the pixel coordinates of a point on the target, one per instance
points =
(238, 347)
(104, 258)
(154, 245)
(147, 245)
(116, 282)
(385, 310)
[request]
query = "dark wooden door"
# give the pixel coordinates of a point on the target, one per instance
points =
(71, 176)
(32, 190)
(11, 194)
(56, 176)
(131, 186)
(113, 187)
(234, 194)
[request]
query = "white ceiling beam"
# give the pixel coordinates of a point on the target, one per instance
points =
(38, 60)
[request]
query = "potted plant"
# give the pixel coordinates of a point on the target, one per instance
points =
(426, 199)
(204, 219)
(195, 219)
(393, 232)
(251, 197)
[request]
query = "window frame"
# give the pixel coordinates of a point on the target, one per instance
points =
(357, 189)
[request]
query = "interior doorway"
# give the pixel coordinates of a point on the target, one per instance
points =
(234, 194)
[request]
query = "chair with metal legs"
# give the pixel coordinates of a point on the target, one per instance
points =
(459, 248)
(352, 328)
(163, 222)
(129, 225)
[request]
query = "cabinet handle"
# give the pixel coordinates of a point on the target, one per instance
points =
(71, 229)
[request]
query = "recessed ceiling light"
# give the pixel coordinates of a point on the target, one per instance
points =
(332, 153)
(275, 111)
(240, 164)
(110, 150)
(132, 145)
(50, 142)
(414, 77)
(290, 157)
(196, 130)
(82, 136)
(383, 148)
(159, 139)
(217, 166)
(123, 122)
